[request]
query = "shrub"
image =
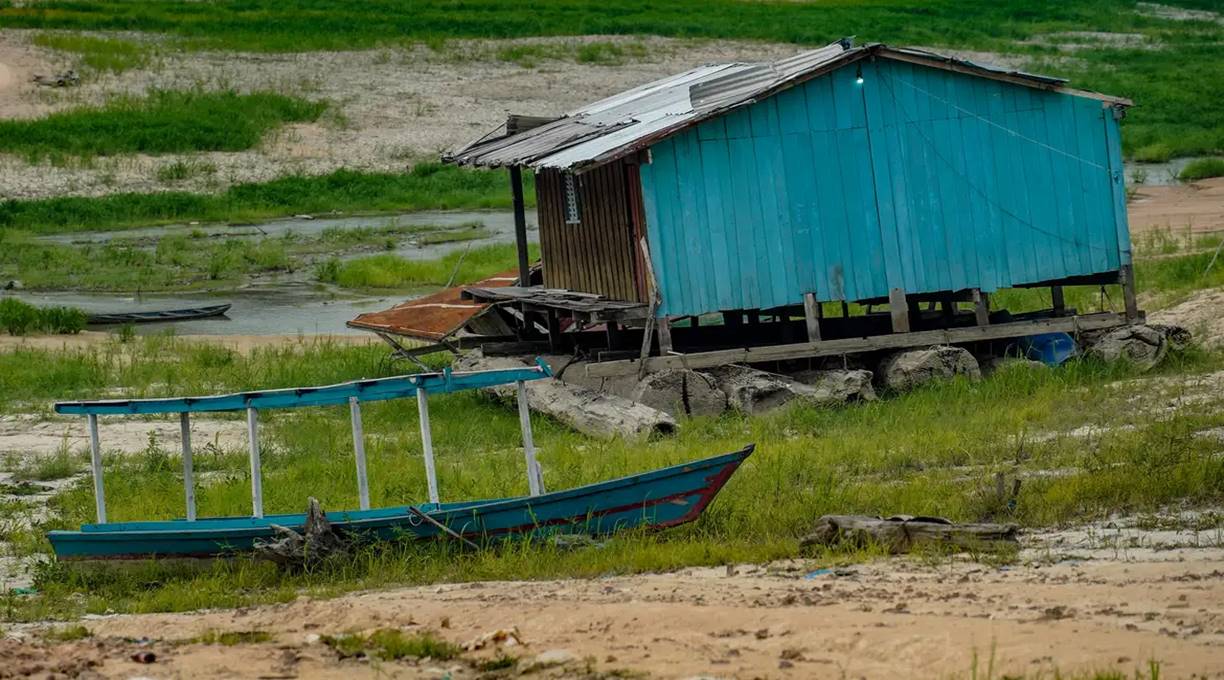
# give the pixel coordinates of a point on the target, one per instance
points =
(1202, 169)
(17, 317)
(63, 320)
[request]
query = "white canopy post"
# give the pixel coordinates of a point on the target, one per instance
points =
(188, 470)
(535, 479)
(431, 474)
(256, 475)
(95, 459)
(363, 483)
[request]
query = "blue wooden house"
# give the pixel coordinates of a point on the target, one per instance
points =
(723, 206)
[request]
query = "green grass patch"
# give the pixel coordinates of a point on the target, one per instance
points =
(178, 261)
(428, 186)
(182, 170)
(1177, 85)
(882, 457)
(390, 644)
(59, 465)
(395, 272)
(19, 318)
(1202, 168)
(111, 55)
(161, 122)
(233, 637)
(68, 634)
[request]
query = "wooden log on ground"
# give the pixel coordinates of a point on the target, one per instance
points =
(589, 411)
(901, 534)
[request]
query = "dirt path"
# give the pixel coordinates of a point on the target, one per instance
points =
(1114, 598)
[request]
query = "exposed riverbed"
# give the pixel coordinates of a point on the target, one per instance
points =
(278, 304)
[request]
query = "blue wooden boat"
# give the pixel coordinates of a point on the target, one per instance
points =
(657, 499)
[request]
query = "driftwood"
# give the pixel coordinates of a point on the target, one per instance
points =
(902, 533)
(317, 542)
(589, 411)
(64, 79)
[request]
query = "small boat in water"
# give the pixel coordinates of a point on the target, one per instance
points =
(163, 315)
(660, 498)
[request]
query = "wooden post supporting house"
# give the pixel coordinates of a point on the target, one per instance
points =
(1127, 274)
(981, 307)
(811, 315)
(520, 226)
(1057, 301)
(899, 310)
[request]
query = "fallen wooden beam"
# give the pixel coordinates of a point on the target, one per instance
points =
(803, 350)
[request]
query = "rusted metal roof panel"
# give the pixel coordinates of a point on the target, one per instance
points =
(434, 317)
(624, 123)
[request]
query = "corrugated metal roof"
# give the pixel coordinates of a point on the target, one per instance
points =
(434, 317)
(624, 123)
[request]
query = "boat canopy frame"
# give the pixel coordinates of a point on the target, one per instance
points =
(352, 393)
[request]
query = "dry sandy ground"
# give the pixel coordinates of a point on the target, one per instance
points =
(396, 105)
(1192, 208)
(1104, 597)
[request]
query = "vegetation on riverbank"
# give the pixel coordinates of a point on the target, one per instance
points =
(884, 457)
(389, 271)
(19, 318)
(1174, 67)
(194, 260)
(427, 186)
(161, 122)
(1202, 168)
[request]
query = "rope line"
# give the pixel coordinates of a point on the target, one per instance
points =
(1014, 133)
(935, 148)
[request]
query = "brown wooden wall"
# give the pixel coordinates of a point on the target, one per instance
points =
(598, 255)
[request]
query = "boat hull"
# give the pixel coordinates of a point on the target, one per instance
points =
(658, 499)
(153, 317)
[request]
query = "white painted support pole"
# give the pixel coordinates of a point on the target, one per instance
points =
(431, 474)
(363, 482)
(188, 469)
(535, 480)
(95, 459)
(256, 474)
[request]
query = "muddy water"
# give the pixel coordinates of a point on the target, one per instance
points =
(281, 305)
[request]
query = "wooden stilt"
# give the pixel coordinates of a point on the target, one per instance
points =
(899, 310)
(256, 471)
(520, 226)
(981, 307)
(845, 309)
(1127, 274)
(1057, 300)
(188, 467)
(535, 478)
(665, 339)
(811, 315)
(363, 482)
(431, 473)
(95, 460)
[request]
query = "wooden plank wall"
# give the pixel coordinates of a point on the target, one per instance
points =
(596, 255)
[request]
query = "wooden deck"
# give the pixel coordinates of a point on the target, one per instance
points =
(845, 346)
(584, 307)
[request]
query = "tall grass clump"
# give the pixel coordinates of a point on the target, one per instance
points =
(164, 121)
(1202, 168)
(98, 54)
(428, 186)
(19, 318)
(394, 271)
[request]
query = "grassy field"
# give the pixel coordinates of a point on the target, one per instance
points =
(99, 55)
(195, 260)
(1177, 86)
(161, 122)
(428, 186)
(881, 457)
(388, 271)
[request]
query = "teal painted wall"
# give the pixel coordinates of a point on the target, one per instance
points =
(918, 178)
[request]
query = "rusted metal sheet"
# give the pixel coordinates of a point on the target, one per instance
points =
(628, 122)
(434, 317)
